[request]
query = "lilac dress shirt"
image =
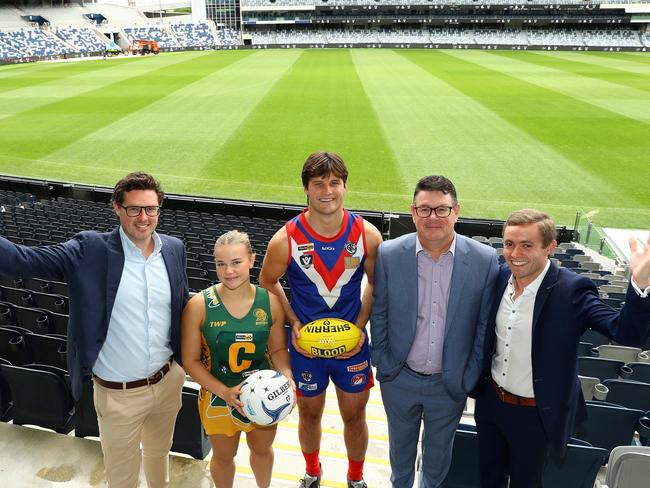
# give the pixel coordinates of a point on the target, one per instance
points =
(434, 282)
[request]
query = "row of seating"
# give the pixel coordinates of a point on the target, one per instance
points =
(39, 394)
(619, 37)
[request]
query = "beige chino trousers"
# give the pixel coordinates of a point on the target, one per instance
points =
(129, 419)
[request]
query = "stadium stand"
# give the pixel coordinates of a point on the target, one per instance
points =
(152, 32)
(193, 35)
(83, 39)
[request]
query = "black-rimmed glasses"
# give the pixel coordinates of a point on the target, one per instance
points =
(441, 212)
(135, 210)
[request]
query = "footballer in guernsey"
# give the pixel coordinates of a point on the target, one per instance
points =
(325, 252)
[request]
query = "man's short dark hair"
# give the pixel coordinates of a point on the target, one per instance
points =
(136, 181)
(436, 183)
(321, 164)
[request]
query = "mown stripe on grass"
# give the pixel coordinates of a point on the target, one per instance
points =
(580, 155)
(640, 57)
(48, 73)
(318, 105)
(577, 66)
(180, 132)
(622, 100)
(614, 62)
(88, 79)
(29, 136)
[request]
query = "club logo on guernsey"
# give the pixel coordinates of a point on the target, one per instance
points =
(214, 299)
(261, 317)
(350, 247)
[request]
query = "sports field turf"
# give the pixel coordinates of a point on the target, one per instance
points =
(559, 131)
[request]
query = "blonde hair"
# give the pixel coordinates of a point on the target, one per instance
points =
(234, 237)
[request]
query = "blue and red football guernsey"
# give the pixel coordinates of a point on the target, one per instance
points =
(325, 273)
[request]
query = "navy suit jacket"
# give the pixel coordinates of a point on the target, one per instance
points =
(92, 264)
(395, 306)
(566, 305)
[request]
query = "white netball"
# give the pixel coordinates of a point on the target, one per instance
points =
(267, 397)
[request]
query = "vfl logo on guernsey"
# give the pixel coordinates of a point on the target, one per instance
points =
(306, 260)
(261, 317)
(214, 299)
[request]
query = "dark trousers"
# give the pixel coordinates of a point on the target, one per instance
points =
(512, 442)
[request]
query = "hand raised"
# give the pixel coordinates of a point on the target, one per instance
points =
(640, 262)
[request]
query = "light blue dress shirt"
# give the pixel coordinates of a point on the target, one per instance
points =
(138, 340)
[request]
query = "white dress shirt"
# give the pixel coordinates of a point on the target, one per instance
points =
(512, 366)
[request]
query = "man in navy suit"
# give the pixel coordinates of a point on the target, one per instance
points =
(127, 291)
(432, 299)
(530, 397)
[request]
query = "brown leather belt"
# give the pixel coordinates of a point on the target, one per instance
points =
(507, 397)
(152, 380)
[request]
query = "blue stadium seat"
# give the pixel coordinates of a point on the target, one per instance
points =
(189, 436)
(578, 469)
(631, 394)
(640, 372)
(608, 426)
(599, 368)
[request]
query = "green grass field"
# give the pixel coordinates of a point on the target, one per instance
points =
(560, 131)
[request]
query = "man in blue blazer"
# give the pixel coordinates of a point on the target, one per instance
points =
(127, 291)
(432, 299)
(530, 397)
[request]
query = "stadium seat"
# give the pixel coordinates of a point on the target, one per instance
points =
(189, 436)
(13, 346)
(33, 319)
(595, 337)
(41, 396)
(50, 302)
(591, 388)
(640, 372)
(621, 353)
(599, 367)
(85, 413)
(628, 467)
(6, 403)
(578, 469)
(631, 394)
(608, 426)
(48, 349)
(464, 470)
(584, 349)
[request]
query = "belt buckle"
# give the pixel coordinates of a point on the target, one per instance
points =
(155, 378)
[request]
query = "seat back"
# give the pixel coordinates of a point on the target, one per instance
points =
(40, 397)
(608, 426)
(640, 372)
(577, 470)
(631, 394)
(6, 402)
(628, 467)
(14, 347)
(464, 471)
(85, 414)
(620, 353)
(600, 368)
(48, 349)
(189, 436)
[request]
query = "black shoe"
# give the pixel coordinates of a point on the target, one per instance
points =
(357, 484)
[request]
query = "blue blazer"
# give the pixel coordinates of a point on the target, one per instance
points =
(92, 263)
(566, 305)
(394, 310)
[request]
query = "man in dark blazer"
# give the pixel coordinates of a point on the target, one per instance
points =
(432, 300)
(127, 291)
(530, 397)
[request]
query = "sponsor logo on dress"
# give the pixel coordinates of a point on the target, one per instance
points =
(354, 368)
(306, 375)
(327, 248)
(350, 247)
(306, 260)
(306, 247)
(246, 374)
(352, 262)
(214, 299)
(358, 379)
(217, 323)
(307, 386)
(261, 317)
(243, 337)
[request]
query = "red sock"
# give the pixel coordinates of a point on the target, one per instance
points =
(355, 469)
(313, 462)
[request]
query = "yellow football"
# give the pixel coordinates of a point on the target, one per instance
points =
(328, 338)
